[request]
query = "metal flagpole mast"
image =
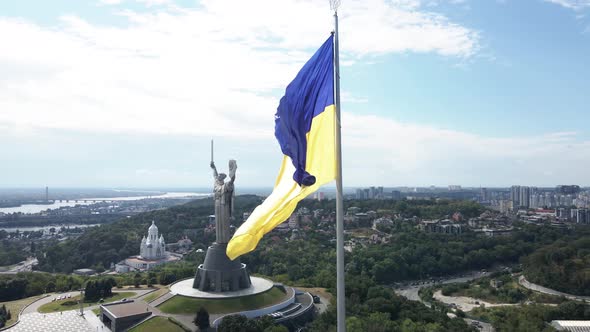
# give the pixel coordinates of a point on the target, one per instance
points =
(340, 296)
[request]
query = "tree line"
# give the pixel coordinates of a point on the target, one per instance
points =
(99, 289)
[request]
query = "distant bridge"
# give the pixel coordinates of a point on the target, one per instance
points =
(87, 200)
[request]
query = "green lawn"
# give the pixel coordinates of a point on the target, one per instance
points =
(188, 305)
(16, 306)
(155, 294)
(157, 324)
(72, 303)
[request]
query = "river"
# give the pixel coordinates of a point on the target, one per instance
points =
(36, 208)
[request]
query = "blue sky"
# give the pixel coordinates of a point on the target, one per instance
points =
(128, 93)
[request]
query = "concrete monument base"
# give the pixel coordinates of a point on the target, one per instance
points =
(185, 288)
(220, 274)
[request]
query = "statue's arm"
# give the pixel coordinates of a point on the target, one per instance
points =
(214, 170)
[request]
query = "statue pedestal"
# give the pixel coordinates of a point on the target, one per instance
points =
(185, 288)
(220, 274)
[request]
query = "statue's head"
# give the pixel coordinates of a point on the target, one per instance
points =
(221, 177)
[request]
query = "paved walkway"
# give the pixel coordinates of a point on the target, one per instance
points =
(527, 284)
(161, 299)
(185, 288)
(67, 321)
(35, 305)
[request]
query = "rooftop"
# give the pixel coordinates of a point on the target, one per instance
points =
(125, 309)
(572, 325)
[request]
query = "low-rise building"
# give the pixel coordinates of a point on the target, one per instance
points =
(441, 226)
(382, 222)
(119, 316)
(497, 231)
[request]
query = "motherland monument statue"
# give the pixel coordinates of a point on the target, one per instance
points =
(218, 273)
(224, 201)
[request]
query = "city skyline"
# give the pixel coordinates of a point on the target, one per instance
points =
(122, 93)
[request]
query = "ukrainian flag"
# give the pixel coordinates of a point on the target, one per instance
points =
(305, 125)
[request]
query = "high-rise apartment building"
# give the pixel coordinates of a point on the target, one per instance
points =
(484, 195)
(359, 194)
(525, 197)
(515, 196)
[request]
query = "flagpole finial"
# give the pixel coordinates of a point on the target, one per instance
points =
(334, 4)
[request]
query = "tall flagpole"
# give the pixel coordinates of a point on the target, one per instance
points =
(340, 296)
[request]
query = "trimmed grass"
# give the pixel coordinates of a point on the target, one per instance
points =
(16, 306)
(156, 294)
(72, 303)
(160, 324)
(189, 305)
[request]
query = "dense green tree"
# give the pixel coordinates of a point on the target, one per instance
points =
(276, 328)
(137, 280)
(237, 323)
(563, 265)
(202, 319)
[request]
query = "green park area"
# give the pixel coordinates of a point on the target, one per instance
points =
(188, 305)
(160, 324)
(16, 306)
(72, 303)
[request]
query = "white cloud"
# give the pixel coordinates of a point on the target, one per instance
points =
(215, 71)
(385, 151)
(148, 3)
(194, 71)
(572, 4)
(110, 2)
(151, 3)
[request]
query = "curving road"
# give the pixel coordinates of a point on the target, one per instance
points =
(527, 284)
(411, 293)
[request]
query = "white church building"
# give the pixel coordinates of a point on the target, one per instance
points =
(152, 252)
(152, 247)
